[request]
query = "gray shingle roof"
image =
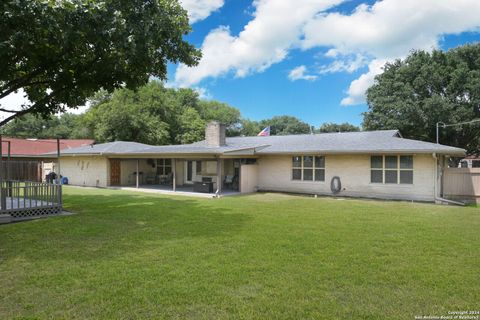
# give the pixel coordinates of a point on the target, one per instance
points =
(383, 141)
(116, 147)
(347, 142)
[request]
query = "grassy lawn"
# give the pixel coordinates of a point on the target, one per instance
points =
(264, 256)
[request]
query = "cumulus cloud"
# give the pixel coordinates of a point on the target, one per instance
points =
(356, 90)
(276, 27)
(345, 64)
(371, 34)
(200, 9)
(299, 73)
(387, 30)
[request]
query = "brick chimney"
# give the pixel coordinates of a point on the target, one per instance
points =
(215, 134)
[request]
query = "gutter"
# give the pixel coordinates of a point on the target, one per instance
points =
(435, 187)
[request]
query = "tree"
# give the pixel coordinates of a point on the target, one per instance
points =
(337, 127)
(248, 128)
(283, 125)
(221, 112)
(129, 115)
(61, 52)
(67, 126)
(154, 114)
(412, 95)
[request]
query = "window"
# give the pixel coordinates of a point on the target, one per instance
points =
(198, 168)
(391, 169)
(406, 169)
(308, 168)
(475, 163)
(376, 173)
(164, 166)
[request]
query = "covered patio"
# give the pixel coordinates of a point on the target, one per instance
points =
(196, 176)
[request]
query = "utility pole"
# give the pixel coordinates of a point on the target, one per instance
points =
(438, 136)
(443, 125)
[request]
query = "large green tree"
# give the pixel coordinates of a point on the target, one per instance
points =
(154, 114)
(413, 94)
(279, 125)
(67, 126)
(61, 52)
(282, 125)
(337, 127)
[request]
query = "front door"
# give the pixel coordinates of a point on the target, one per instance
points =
(114, 172)
(190, 171)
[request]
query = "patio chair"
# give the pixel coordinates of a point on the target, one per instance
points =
(228, 181)
(170, 178)
(150, 178)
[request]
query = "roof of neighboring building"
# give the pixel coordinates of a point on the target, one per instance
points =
(116, 147)
(39, 147)
(382, 141)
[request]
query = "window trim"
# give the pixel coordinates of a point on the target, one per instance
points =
(398, 169)
(161, 164)
(302, 167)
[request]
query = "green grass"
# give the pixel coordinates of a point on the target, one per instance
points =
(264, 256)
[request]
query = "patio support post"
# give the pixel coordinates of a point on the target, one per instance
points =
(174, 171)
(219, 176)
(58, 161)
(138, 174)
(59, 179)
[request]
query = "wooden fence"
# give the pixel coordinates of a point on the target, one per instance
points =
(21, 170)
(462, 184)
(27, 199)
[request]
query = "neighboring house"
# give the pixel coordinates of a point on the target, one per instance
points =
(470, 162)
(39, 153)
(373, 164)
(36, 149)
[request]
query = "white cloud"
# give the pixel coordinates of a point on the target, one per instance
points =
(200, 9)
(384, 31)
(356, 91)
(299, 73)
(343, 64)
(387, 30)
(203, 93)
(14, 102)
(265, 40)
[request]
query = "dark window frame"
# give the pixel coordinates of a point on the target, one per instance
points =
(313, 172)
(402, 170)
(163, 165)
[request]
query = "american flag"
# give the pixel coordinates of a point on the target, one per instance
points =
(265, 132)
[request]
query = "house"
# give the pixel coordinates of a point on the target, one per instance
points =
(373, 164)
(32, 159)
(472, 161)
(38, 149)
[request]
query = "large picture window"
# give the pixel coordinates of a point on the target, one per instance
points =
(308, 168)
(391, 169)
(164, 166)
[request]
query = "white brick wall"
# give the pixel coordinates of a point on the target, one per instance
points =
(85, 171)
(274, 173)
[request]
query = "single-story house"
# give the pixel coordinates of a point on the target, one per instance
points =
(472, 161)
(373, 164)
(32, 149)
(33, 159)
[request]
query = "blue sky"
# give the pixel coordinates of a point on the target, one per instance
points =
(271, 57)
(312, 59)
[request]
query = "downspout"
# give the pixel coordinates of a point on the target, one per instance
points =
(435, 187)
